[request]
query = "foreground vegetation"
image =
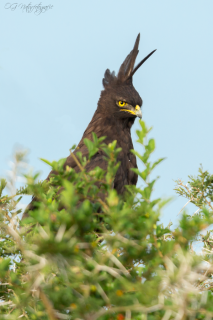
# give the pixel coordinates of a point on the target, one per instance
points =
(78, 257)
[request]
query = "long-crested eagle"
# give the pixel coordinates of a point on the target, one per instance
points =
(117, 109)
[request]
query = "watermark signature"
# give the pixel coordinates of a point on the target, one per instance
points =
(36, 9)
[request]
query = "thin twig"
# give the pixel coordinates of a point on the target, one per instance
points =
(185, 205)
(136, 308)
(48, 305)
(79, 165)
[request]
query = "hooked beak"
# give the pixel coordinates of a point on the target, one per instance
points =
(138, 112)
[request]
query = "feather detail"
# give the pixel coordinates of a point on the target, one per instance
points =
(128, 64)
(109, 78)
(140, 63)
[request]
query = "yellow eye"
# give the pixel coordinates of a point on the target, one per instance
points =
(122, 103)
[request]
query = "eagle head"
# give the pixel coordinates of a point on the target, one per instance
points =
(119, 96)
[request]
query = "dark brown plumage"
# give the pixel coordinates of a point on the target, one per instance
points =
(118, 107)
(115, 124)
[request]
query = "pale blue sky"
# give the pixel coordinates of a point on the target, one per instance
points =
(52, 65)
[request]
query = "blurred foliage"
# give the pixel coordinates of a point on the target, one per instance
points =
(79, 257)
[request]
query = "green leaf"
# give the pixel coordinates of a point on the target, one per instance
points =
(47, 162)
(73, 147)
(4, 266)
(3, 184)
(157, 162)
(151, 145)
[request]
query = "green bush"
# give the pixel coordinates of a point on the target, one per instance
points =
(79, 257)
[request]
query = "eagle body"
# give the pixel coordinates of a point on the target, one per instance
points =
(114, 129)
(117, 109)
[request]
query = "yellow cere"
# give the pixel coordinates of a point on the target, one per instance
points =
(137, 107)
(122, 103)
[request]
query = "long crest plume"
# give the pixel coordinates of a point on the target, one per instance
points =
(127, 69)
(128, 64)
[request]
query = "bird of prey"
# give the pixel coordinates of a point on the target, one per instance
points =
(117, 109)
(118, 106)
